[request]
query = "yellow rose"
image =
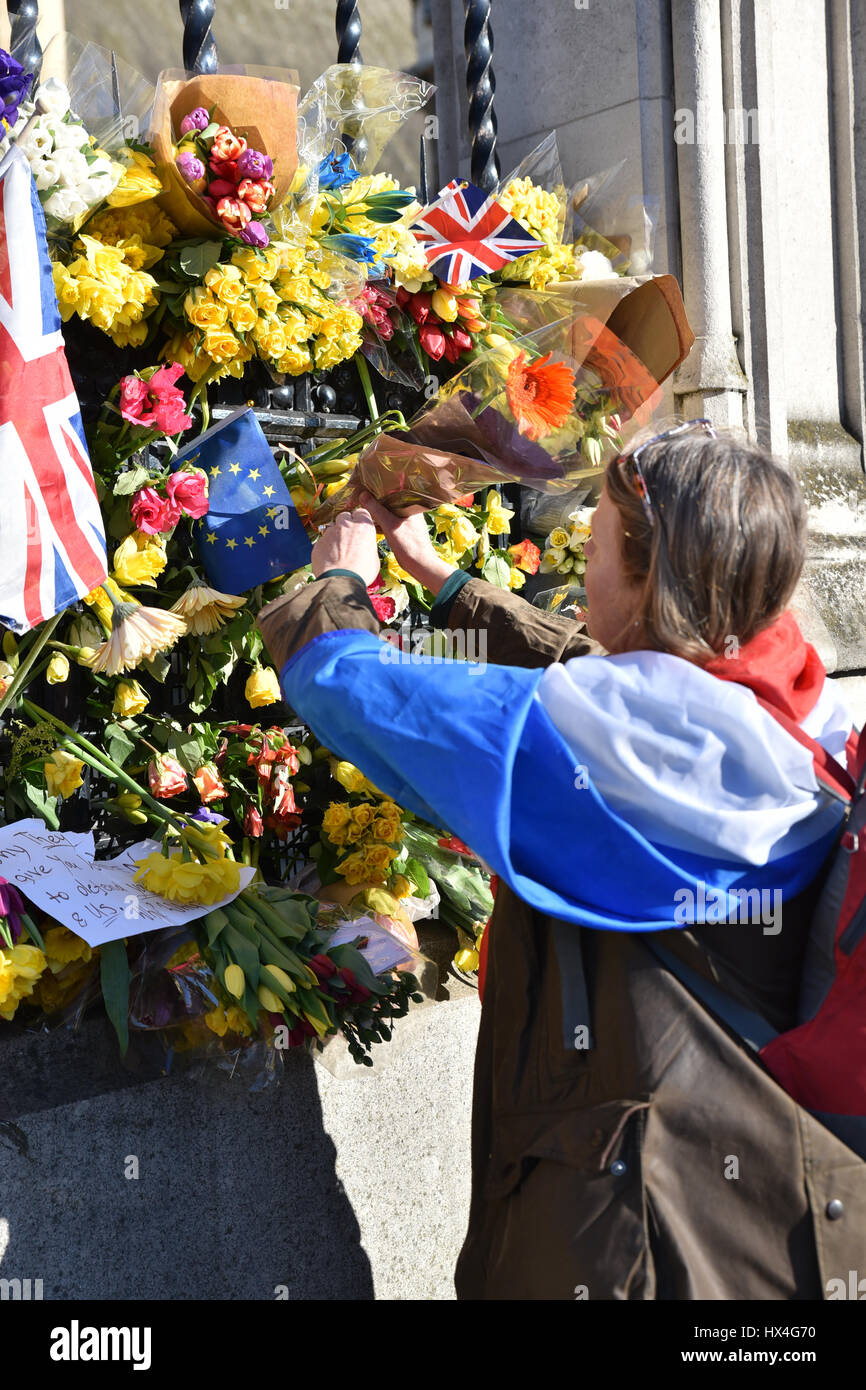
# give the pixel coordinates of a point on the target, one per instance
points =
(129, 699)
(296, 361)
(363, 815)
(139, 559)
(220, 344)
(385, 828)
(243, 316)
(62, 773)
(377, 858)
(267, 300)
(202, 310)
(262, 687)
(353, 868)
(226, 282)
(463, 535)
(558, 539)
(58, 670)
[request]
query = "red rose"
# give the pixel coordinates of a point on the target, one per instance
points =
(166, 776)
(209, 784)
(188, 489)
(133, 399)
(152, 513)
(385, 607)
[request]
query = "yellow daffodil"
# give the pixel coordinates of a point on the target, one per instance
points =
(129, 700)
(185, 881)
(62, 947)
(139, 559)
(62, 773)
(20, 969)
(498, 516)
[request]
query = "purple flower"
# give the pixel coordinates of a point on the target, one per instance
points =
(190, 167)
(11, 902)
(212, 816)
(14, 86)
(196, 120)
(252, 164)
(254, 234)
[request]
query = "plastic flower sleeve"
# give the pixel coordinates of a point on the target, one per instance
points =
(351, 110)
(546, 410)
(542, 167)
(257, 103)
(112, 99)
(604, 215)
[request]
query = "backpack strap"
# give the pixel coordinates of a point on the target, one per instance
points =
(749, 1026)
(830, 773)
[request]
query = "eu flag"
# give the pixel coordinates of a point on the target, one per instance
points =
(252, 532)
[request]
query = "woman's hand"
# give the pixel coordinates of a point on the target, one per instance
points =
(410, 541)
(349, 543)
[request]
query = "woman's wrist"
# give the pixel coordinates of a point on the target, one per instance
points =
(433, 572)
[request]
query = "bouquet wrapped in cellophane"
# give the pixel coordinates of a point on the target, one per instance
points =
(547, 408)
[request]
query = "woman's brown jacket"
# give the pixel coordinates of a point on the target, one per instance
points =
(661, 1161)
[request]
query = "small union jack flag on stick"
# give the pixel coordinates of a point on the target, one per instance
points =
(465, 233)
(52, 540)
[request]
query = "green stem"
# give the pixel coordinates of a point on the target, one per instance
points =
(102, 763)
(22, 675)
(364, 374)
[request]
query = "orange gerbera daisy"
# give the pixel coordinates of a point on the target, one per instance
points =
(540, 394)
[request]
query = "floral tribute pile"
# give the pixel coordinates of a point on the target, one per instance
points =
(164, 716)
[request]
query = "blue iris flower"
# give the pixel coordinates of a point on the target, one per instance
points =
(357, 248)
(336, 170)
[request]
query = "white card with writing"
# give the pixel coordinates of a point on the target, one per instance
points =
(98, 899)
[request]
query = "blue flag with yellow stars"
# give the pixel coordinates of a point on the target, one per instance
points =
(252, 532)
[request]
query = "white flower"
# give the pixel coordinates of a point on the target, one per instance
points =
(46, 172)
(70, 136)
(594, 266)
(53, 96)
(66, 204)
(38, 140)
(74, 169)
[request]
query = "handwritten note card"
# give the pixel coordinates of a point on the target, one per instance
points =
(98, 899)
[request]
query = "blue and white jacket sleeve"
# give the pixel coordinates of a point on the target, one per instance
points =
(470, 748)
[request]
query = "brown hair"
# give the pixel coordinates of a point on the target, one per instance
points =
(727, 546)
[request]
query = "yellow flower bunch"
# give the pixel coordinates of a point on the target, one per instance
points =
(185, 881)
(458, 529)
(541, 213)
(344, 824)
(367, 865)
(270, 304)
(99, 284)
(147, 221)
(20, 969)
(541, 268)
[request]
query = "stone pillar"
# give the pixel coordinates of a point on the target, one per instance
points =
(711, 381)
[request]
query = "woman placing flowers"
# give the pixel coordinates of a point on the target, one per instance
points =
(607, 790)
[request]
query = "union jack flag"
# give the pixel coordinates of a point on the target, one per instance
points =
(465, 233)
(52, 540)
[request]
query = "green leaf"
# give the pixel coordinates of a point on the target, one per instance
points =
(157, 666)
(196, 261)
(496, 571)
(131, 481)
(417, 874)
(188, 752)
(115, 976)
(118, 743)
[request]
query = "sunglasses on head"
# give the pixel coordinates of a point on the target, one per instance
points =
(632, 461)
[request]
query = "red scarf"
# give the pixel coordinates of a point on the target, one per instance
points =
(779, 665)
